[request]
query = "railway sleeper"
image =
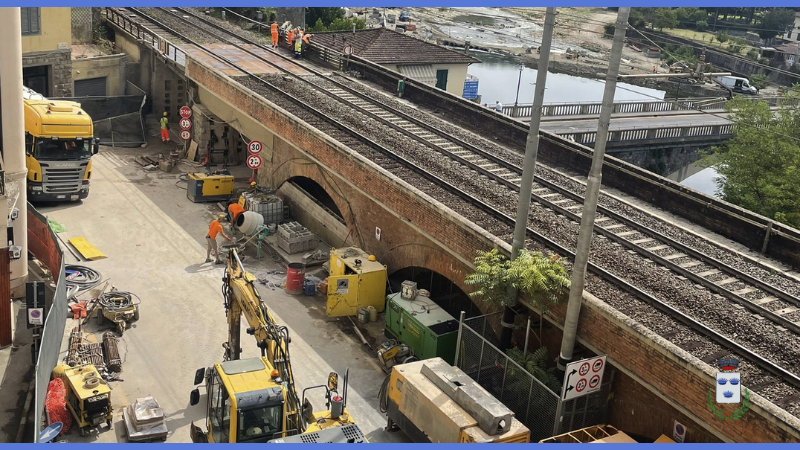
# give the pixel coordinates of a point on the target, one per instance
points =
(726, 281)
(765, 300)
(708, 273)
(674, 256)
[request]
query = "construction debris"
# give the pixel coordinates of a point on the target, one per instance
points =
(111, 352)
(144, 420)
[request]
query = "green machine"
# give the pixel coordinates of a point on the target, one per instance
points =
(421, 324)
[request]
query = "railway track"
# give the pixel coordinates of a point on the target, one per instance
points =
(613, 226)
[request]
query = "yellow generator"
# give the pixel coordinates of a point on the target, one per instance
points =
(88, 396)
(209, 188)
(356, 281)
(433, 402)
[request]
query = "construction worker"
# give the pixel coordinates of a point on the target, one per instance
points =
(306, 38)
(234, 209)
(164, 128)
(214, 229)
(273, 29)
(290, 37)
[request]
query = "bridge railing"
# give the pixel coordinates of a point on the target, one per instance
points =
(144, 34)
(593, 109)
(640, 134)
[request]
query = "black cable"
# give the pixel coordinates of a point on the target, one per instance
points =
(84, 278)
(383, 395)
(116, 300)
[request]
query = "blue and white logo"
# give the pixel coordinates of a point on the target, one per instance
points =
(729, 389)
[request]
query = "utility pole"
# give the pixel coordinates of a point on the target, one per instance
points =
(519, 82)
(528, 169)
(592, 192)
(14, 140)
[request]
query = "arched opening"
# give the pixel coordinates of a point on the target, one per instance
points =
(317, 193)
(444, 292)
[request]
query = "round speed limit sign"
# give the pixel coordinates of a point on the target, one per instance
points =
(254, 162)
(254, 147)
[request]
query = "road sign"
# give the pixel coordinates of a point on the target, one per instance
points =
(254, 147)
(254, 162)
(185, 124)
(186, 112)
(186, 135)
(583, 377)
(678, 432)
(342, 286)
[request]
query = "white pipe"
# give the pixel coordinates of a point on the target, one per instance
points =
(14, 137)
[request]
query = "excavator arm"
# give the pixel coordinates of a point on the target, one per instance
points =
(242, 299)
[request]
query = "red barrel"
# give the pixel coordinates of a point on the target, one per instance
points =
(295, 276)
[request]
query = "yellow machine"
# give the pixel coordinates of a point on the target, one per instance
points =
(433, 402)
(209, 187)
(356, 281)
(59, 145)
(254, 400)
(88, 396)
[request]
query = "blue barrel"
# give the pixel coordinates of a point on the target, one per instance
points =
(311, 288)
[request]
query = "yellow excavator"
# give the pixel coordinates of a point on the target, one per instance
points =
(254, 400)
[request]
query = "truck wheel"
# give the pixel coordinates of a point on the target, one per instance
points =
(83, 431)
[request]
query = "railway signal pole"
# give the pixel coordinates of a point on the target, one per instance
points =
(528, 169)
(592, 192)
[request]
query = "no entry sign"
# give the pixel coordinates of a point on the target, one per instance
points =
(255, 147)
(186, 112)
(185, 124)
(254, 162)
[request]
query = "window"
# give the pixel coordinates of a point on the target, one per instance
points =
(219, 410)
(30, 21)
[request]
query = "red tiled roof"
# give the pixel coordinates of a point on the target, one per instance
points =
(384, 46)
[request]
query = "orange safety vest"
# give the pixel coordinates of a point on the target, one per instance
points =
(290, 37)
(273, 28)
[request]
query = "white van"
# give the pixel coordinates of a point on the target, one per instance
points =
(738, 84)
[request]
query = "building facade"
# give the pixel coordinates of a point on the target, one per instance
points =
(46, 50)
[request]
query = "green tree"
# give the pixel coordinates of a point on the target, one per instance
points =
(774, 22)
(701, 25)
(540, 277)
(269, 14)
(722, 37)
(326, 14)
(665, 18)
(759, 81)
(760, 166)
(536, 364)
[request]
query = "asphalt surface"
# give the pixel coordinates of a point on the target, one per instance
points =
(154, 239)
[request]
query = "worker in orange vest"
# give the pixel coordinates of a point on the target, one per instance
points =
(290, 37)
(214, 229)
(306, 38)
(234, 209)
(273, 29)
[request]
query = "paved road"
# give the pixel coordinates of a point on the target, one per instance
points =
(154, 239)
(629, 123)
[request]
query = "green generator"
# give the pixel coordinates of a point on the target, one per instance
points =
(422, 325)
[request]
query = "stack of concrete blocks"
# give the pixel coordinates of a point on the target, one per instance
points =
(295, 238)
(268, 205)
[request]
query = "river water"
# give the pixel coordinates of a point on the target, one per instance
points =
(499, 75)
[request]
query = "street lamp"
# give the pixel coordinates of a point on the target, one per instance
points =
(521, 68)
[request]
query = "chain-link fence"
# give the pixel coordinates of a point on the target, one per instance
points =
(533, 403)
(118, 120)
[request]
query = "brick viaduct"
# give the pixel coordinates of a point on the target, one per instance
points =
(656, 382)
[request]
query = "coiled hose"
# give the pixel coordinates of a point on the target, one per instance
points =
(112, 301)
(383, 395)
(84, 278)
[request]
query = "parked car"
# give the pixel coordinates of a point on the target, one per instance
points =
(404, 17)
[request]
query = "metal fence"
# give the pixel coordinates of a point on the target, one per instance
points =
(52, 335)
(147, 36)
(533, 403)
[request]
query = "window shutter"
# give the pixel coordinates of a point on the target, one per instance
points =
(26, 25)
(34, 15)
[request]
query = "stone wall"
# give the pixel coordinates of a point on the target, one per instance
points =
(60, 62)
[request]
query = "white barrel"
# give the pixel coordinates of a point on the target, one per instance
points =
(249, 221)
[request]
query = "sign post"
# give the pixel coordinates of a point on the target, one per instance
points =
(185, 112)
(186, 125)
(254, 147)
(583, 377)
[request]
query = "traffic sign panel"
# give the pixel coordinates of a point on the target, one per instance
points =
(186, 112)
(186, 135)
(185, 124)
(583, 377)
(254, 161)
(254, 147)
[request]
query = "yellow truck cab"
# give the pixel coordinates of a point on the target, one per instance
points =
(59, 144)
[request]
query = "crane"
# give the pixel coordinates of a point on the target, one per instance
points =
(254, 399)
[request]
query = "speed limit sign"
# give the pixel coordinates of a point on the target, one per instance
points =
(254, 162)
(185, 124)
(254, 147)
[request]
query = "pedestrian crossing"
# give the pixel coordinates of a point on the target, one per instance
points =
(115, 160)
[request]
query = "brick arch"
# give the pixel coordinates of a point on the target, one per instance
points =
(433, 258)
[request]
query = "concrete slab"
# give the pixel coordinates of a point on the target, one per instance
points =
(244, 60)
(154, 238)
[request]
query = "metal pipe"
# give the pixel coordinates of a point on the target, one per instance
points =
(528, 169)
(458, 337)
(592, 192)
(14, 138)
(527, 335)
